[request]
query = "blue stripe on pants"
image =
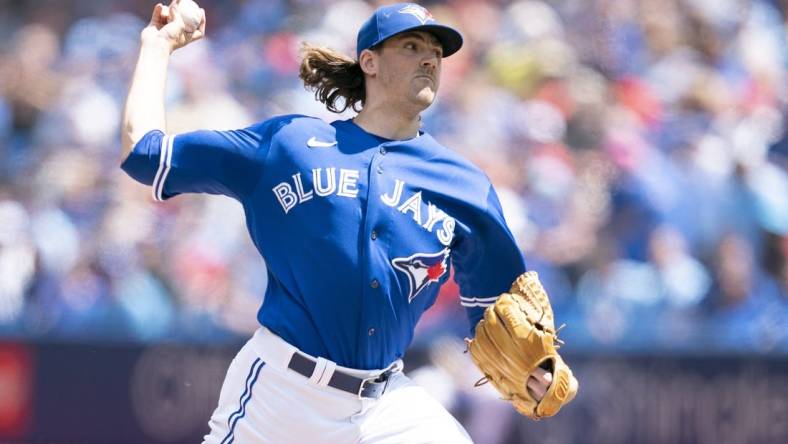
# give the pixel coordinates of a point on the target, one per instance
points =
(251, 378)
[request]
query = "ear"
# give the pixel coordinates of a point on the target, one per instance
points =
(368, 60)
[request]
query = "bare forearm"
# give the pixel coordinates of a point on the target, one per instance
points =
(144, 110)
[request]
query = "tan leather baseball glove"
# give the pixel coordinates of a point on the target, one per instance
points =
(516, 336)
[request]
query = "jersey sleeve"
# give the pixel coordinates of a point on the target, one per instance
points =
(214, 162)
(486, 257)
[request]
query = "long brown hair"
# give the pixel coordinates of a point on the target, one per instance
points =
(332, 76)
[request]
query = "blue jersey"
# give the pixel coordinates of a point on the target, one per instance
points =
(358, 232)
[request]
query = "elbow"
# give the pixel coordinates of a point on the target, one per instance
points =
(131, 135)
(126, 145)
(128, 139)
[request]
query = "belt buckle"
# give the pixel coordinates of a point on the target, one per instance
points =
(364, 383)
(383, 377)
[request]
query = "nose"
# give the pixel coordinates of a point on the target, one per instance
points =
(430, 62)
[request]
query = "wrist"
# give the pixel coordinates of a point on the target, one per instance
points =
(154, 42)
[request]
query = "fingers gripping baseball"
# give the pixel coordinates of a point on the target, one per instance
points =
(178, 24)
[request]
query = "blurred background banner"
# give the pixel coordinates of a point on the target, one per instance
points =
(81, 393)
(639, 148)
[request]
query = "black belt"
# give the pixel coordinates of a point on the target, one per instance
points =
(366, 388)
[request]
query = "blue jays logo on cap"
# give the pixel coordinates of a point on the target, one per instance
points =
(388, 21)
(419, 12)
(422, 269)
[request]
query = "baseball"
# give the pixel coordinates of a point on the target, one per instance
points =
(191, 14)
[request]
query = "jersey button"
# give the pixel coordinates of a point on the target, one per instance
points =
(371, 331)
(374, 283)
(383, 150)
(380, 169)
(374, 235)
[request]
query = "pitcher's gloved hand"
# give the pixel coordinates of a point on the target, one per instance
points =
(516, 338)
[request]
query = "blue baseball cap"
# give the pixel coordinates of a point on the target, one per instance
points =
(388, 21)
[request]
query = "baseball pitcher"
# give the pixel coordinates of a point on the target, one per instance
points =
(359, 222)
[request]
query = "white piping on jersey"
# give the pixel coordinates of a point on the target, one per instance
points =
(155, 184)
(477, 302)
(165, 161)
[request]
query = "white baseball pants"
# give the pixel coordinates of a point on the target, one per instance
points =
(262, 401)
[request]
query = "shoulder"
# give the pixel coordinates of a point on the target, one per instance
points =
(454, 167)
(439, 153)
(287, 124)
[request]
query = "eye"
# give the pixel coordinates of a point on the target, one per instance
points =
(410, 45)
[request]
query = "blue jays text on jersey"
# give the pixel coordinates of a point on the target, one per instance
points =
(358, 232)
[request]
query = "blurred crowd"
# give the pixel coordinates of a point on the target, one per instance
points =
(639, 148)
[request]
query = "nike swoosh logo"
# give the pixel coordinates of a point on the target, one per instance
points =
(314, 143)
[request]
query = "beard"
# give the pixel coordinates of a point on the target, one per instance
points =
(406, 91)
